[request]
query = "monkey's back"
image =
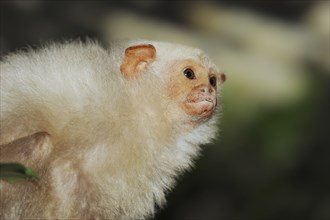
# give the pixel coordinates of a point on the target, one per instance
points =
(44, 88)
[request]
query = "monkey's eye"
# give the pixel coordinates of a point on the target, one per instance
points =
(213, 81)
(189, 73)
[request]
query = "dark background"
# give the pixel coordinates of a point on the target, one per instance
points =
(271, 160)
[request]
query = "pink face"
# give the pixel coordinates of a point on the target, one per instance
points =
(195, 88)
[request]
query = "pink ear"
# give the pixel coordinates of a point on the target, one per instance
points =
(222, 78)
(136, 58)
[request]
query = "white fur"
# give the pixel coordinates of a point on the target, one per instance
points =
(116, 152)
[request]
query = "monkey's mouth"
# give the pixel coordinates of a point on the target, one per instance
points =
(200, 106)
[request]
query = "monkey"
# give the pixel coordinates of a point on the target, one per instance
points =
(107, 129)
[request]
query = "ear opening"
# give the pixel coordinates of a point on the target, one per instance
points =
(136, 59)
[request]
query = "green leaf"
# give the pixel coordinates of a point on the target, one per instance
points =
(14, 172)
(29, 172)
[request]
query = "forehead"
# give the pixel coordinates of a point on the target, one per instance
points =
(173, 53)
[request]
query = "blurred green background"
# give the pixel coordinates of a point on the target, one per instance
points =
(271, 159)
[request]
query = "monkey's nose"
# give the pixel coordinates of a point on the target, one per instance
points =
(206, 89)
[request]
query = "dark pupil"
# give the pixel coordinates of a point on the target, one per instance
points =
(189, 74)
(213, 81)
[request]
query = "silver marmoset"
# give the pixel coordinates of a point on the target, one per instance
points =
(107, 130)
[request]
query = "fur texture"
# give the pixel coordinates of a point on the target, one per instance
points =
(107, 139)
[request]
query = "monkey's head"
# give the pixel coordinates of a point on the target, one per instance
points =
(190, 79)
